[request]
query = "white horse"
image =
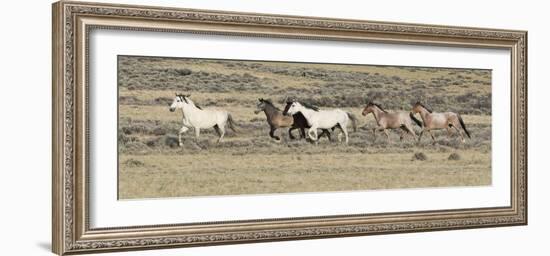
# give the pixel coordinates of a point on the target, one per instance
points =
(198, 118)
(323, 119)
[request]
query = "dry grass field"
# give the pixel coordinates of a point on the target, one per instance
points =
(152, 165)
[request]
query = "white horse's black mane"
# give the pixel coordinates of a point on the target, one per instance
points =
(307, 105)
(184, 98)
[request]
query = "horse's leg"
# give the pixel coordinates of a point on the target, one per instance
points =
(402, 133)
(410, 130)
(182, 131)
(420, 136)
(312, 130)
(449, 132)
(302, 133)
(217, 129)
(340, 133)
(221, 132)
(290, 133)
(460, 133)
(272, 133)
(387, 134)
(345, 131)
(316, 135)
(433, 137)
(197, 133)
(321, 134)
(374, 134)
(326, 133)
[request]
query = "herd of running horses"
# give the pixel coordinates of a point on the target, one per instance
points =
(302, 116)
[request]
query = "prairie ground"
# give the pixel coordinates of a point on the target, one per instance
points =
(152, 165)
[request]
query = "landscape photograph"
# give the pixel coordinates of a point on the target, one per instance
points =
(213, 127)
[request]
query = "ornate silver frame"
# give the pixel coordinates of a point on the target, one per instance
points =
(72, 22)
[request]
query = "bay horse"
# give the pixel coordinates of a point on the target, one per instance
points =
(199, 118)
(395, 120)
(435, 121)
(323, 119)
(276, 119)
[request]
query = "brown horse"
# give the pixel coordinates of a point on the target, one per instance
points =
(385, 120)
(435, 121)
(276, 119)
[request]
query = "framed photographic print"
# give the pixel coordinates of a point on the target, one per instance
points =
(179, 127)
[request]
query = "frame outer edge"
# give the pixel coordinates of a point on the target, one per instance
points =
(525, 80)
(57, 246)
(65, 239)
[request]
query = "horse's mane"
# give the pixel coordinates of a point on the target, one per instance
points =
(422, 105)
(268, 101)
(378, 106)
(185, 98)
(307, 105)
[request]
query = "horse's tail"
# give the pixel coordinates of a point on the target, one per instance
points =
(418, 122)
(463, 125)
(231, 122)
(353, 121)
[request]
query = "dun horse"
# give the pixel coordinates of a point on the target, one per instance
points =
(323, 119)
(385, 120)
(276, 119)
(435, 121)
(198, 118)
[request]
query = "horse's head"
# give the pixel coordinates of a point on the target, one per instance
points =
(416, 107)
(288, 104)
(260, 106)
(372, 108)
(292, 108)
(179, 102)
(368, 109)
